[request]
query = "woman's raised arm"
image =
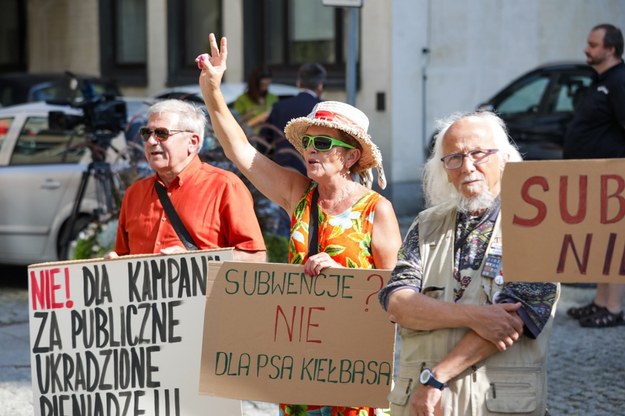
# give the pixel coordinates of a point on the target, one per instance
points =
(281, 185)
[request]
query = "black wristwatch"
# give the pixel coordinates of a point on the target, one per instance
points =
(427, 378)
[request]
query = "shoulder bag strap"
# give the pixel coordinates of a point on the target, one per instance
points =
(179, 227)
(313, 238)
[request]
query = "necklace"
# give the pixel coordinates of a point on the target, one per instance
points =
(347, 192)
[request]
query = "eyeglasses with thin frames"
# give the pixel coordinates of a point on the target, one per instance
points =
(477, 157)
(161, 133)
(323, 143)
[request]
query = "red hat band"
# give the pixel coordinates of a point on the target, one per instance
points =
(331, 116)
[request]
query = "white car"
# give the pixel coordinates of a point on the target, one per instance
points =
(230, 90)
(40, 175)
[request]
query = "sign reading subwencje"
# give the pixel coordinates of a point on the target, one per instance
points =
(564, 221)
(273, 334)
(122, 336)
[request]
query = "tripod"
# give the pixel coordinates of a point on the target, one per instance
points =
(108, 195)
(102, 118)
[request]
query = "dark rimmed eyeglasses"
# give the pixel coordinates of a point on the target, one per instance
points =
(477, 156)
(323, 143)
(161, 133)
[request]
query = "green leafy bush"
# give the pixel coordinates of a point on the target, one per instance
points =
(97, 239)
(277, 248)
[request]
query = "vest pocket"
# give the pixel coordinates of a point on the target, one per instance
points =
(401, 391)
(513, 390)
(435, 292)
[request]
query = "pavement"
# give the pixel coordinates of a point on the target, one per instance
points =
(586, 367)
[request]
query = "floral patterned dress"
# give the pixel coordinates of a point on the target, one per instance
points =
(346, 237)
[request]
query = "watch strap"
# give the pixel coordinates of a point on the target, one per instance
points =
(432, 381)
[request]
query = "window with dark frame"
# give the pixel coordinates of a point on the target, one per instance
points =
(123, 41)
(13, 36)
(284, 34)
(280, 33)
(189, 24)
(130, 32)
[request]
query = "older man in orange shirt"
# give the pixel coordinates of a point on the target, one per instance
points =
(214, 205)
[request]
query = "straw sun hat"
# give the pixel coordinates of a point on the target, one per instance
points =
(344, 117)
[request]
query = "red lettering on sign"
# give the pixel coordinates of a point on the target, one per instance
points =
(612, 191)
(620, 187)
(567, 243)
(540, 206)
(609, 252)
(45, 287)
(582, 199)
(291, 324)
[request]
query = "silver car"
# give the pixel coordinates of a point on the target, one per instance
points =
(230, 91)
(40, 175)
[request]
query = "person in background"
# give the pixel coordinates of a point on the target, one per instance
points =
(470, 342)
(214, 205)
(356, 226)
(255, 104)
(597, 131)
(310, 80)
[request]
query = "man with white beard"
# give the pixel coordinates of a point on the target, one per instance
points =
(471, 343)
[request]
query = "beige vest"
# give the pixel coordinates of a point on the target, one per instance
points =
(510, 382)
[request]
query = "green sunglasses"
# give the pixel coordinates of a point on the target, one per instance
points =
(323, 143)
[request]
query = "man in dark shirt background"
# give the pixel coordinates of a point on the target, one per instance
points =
(596, 132)
(310, 80)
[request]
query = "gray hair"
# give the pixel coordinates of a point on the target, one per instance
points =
(436, 187)
(191, 116)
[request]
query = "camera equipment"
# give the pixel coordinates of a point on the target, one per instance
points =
(103, 117)
(100, 115)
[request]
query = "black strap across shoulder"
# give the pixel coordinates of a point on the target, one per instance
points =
(313, 238)
(182, 232)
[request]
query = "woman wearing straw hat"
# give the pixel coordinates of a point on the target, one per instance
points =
(357, 227)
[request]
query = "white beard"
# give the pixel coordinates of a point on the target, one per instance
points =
(478, 203)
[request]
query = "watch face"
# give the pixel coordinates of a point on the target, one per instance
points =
(425, 376)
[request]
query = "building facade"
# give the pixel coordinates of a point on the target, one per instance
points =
(416, 60)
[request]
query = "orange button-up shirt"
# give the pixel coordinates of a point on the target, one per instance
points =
(213, 204)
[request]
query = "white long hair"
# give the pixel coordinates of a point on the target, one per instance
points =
(436, 187)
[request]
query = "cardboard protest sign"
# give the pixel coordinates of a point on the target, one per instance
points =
(122, 336)
(273, 334)
(564, 221)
